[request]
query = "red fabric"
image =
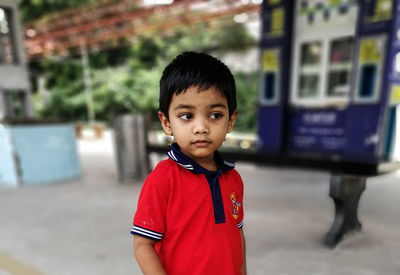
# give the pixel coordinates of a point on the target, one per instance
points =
(177, 203)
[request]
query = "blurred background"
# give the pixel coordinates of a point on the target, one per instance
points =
(318, 89)
(118, 49)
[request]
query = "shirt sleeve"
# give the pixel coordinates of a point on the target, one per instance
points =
(149, 219)
(240, 200)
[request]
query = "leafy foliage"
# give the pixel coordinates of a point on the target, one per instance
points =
(33, 9)
(247, 91)
(126, 79)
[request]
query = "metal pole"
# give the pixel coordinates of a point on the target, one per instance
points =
(88, 83)
(3, 110)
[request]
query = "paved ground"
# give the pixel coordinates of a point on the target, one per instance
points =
(82, 227)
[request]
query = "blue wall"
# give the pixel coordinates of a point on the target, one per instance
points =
(45, 153)
(8, 174)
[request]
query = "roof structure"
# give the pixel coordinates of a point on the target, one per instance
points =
(107, 23)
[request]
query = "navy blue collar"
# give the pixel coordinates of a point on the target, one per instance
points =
(176, 155)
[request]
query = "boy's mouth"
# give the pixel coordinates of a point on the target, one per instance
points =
(201, 143)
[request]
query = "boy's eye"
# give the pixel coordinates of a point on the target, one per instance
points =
(215, 115)
(186, 116)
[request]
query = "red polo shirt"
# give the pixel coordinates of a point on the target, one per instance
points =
(195, 216)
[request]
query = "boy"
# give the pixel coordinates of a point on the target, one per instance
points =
(190, 210)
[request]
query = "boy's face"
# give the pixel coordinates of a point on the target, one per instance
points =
(199, 122)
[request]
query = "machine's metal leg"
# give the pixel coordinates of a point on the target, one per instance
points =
(345, 190)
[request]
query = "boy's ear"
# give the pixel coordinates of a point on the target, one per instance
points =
(232, 120)
(165, 123)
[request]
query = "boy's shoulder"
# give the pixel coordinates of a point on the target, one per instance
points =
(164, 169)
(160, 176)
(163, 166)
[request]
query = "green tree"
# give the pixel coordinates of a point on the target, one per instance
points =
(127, 79)
(247, 91)
(33, 9)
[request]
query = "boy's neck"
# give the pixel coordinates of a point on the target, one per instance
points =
(209, 163)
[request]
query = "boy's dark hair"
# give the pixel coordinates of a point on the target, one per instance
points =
(200, 70)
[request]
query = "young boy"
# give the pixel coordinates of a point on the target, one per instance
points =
(190, 210)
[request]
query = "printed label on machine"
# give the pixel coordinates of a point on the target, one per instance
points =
(317, 131)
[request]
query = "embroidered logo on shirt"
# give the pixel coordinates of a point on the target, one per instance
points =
(235, 205)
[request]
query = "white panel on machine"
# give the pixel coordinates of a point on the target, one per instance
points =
(323, 52)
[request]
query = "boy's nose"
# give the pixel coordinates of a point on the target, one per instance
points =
(200, 126)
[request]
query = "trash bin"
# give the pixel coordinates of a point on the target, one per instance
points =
(130, 142)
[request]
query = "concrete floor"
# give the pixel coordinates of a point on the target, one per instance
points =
(82, 227)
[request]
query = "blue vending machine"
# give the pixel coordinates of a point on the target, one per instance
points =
(330, 80)
(371, 124)
(330, 91)
(277, 17)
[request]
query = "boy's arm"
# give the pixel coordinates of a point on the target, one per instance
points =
(147, 257)
(244, 268)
